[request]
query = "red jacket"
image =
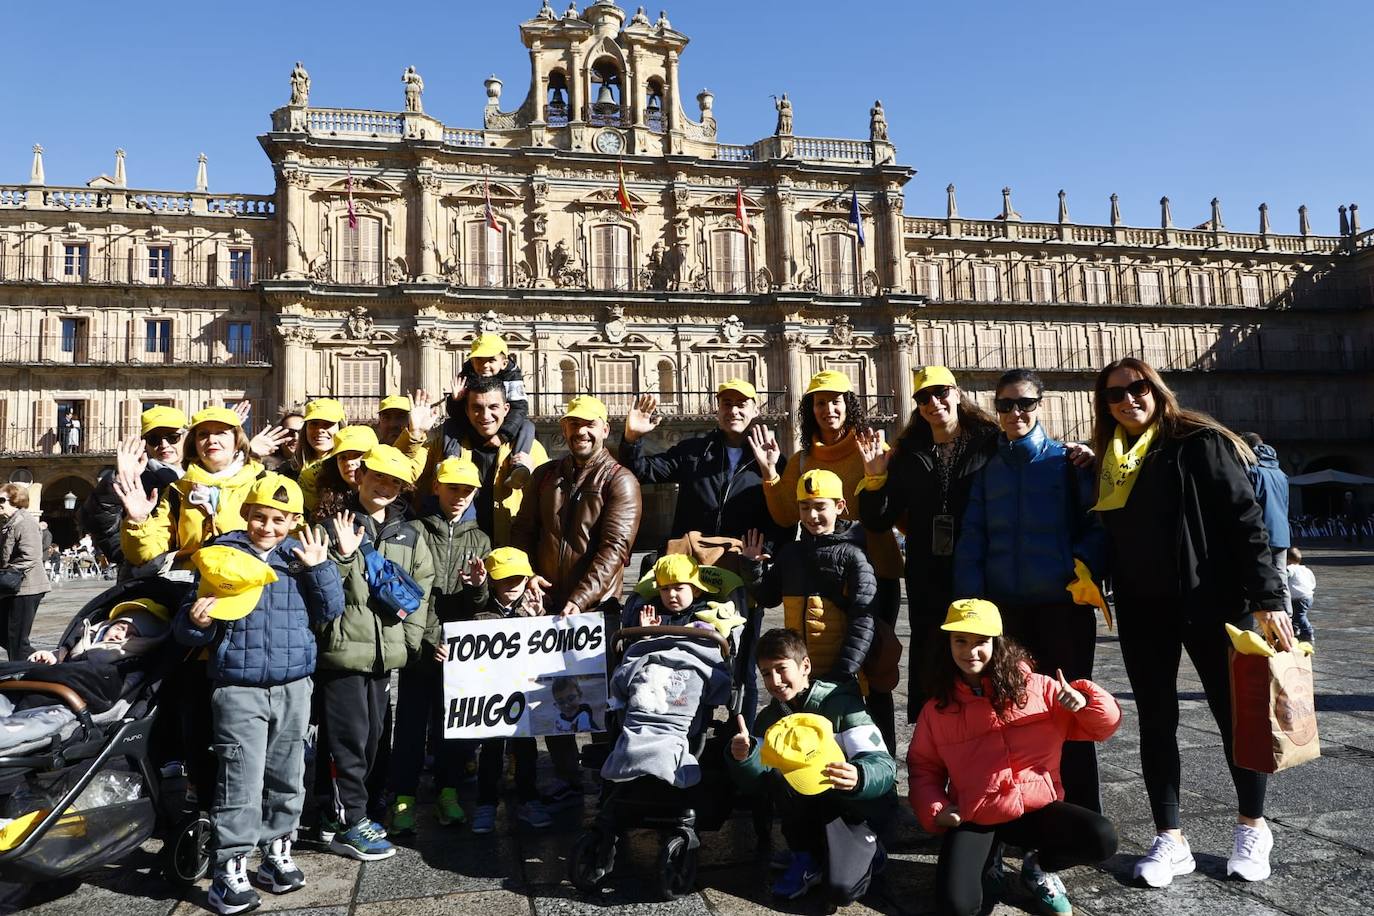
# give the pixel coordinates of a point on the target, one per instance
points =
(997, 769)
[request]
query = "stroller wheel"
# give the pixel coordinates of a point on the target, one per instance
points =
(677, 867)
(186, 855)
(591, 860)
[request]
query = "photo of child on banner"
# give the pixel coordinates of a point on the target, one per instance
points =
(524, 677)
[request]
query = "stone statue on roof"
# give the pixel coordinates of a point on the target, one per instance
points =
(414, 87)
(663, 25)
(784, 106)
(640, 17)
(300, 85)
(546, 12)
(877, 122)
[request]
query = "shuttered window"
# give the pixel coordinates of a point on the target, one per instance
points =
(1095, 283)
(1042, 284)
(1200, 285)
(729, 267)
(610, 257)
(1148, 285)
(361, 260)
(985, 283)
(1249, 290)
(838, 274)
(486, 255)
(616, 384)
(360, 386)
(928, 279)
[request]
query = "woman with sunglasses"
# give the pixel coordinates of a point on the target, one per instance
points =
(1028, 519)
(922, 484)
(21, 558)
(1188, 552)
(154, 458)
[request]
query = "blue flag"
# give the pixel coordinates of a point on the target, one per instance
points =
(855, 218)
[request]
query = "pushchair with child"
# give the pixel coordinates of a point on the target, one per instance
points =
(86, 792)
(678, 811)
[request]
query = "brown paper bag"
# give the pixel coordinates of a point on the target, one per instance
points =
(1273, 715)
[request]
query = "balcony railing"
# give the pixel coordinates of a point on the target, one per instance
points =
(74, 270)
(84, 349)
(194, 203)
(369, 272)
(1127, 292)
(691, 405)
(1249, 358)
(486, 274)
(31, 440)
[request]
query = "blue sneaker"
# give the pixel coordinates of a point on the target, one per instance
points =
(484, 819)
(362, 841)
(802, 875)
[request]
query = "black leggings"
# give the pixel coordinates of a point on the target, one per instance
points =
(16, 620)
(1151, 647)
(881, 707)
(1063, 636)
(1062, 834)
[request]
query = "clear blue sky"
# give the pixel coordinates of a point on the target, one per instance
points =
(1248, 101)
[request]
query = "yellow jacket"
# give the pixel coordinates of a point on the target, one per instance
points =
(823, 625)
(182, 525)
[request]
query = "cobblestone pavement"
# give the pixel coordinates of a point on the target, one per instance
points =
(1320, 814)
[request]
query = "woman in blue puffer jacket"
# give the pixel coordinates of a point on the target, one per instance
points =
(1027, 520)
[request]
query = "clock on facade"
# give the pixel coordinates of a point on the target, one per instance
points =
(610, 142)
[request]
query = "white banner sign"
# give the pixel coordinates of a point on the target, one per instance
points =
(525, 676)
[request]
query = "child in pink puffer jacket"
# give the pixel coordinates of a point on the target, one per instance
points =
(984, 765)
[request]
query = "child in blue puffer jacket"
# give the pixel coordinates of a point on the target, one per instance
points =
(259, 593)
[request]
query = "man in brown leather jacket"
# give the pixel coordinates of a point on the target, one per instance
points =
(577, 523)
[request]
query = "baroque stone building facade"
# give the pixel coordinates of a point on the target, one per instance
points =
(391, 240)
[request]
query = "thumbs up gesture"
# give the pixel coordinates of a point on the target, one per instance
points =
(739, 745)
(1069, 698)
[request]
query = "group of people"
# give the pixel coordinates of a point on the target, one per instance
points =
(320, 557)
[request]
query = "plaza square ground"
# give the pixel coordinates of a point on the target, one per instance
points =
(1320, 814)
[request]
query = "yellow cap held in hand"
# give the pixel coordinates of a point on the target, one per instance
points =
(1248, 642)
(233, 578)
(800, 747)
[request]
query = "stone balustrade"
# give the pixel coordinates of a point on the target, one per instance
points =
(825, 149)
(354, 122)
(187, 203)
(463, 136)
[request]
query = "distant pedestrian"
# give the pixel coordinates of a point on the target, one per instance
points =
(1271, 492)
(22, 562)
(72, 442)
(1302, 585)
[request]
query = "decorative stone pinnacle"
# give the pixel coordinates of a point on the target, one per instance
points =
(36, 171)
(1063, 206)
(951, 205)
(202, 178)
(1116, 210)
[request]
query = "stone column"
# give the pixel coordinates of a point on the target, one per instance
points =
(902, 343)
(672, 95)
(795, 342)
(294, 183)
(541, 91)
(897, 276)
(574, 89)
(428, 187)
(431, 342)
(784, 202)
(296, 343)
(632, 91)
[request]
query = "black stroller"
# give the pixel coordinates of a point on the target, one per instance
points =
(89, 793)
(678, 814)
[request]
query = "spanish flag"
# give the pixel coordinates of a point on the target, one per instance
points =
(622, 196)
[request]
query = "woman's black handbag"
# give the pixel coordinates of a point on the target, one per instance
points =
(10, 579)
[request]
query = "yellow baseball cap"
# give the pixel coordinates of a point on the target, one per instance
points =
(740, 385)
(356, 438)
(929, 376)
(676, 569)
(395, 402)
(387, 459)
(141, 604)
(216, 415)
(829, 380)
(487, 346)
(161, 417)
(459, 471)
(818, 483)
(586, 407)
(326, 409)
(800, 746)
(278, 492)
(973, 615)
(235, 579)
(504, 562)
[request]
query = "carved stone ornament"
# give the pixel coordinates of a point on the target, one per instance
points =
(732, 329)
(358, 324)
(432, 337)
(490, 323)
(615, 328)
(841, 331)
(296, 178)
(297, 334)
(870, 283)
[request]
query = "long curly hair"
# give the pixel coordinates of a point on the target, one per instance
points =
(334, 495)
(1005, 673)
(811, 430)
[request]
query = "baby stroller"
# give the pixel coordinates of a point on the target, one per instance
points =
(88, 793)
(647, 802)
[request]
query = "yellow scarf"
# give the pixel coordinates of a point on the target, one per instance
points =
(1120, 467)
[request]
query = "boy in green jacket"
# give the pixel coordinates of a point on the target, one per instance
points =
(823, 763)
(458, 593)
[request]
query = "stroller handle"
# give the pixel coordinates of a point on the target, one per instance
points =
(64, 693)
(697, 633)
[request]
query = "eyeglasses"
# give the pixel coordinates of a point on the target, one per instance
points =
(4, 500)
(1007, 405)
(157, 438)
(1137, 389)
(934, 391)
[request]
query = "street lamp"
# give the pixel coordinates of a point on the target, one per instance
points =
(69, 501)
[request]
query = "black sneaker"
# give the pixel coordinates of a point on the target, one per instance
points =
(230, 892)
(278, 873)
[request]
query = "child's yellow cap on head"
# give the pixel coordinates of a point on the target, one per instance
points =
(488, 345)
(820, 484)
(278, 492)
(973, 615)
(395, 402)
(356, 438)
(386, 459)
(504, 562)
(458, 471)
(675, 569)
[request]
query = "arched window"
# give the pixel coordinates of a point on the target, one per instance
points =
(556, 103)
(606, 99)
(486, 255)
(667, 383)
(610, 257)
(838, 273)
(360, 260)
(653, 105)
(729, 261)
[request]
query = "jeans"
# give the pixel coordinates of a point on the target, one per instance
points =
(259, 738)
(1302, 624)
(1278, 556)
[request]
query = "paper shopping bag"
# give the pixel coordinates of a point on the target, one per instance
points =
(1273, 715)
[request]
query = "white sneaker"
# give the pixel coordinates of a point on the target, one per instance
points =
(1250, 859)
(1167, 859)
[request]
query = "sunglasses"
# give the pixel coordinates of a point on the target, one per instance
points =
(1137, 389)
(156, 438)
(1007, 405)
(4, 500)
(934, 391)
